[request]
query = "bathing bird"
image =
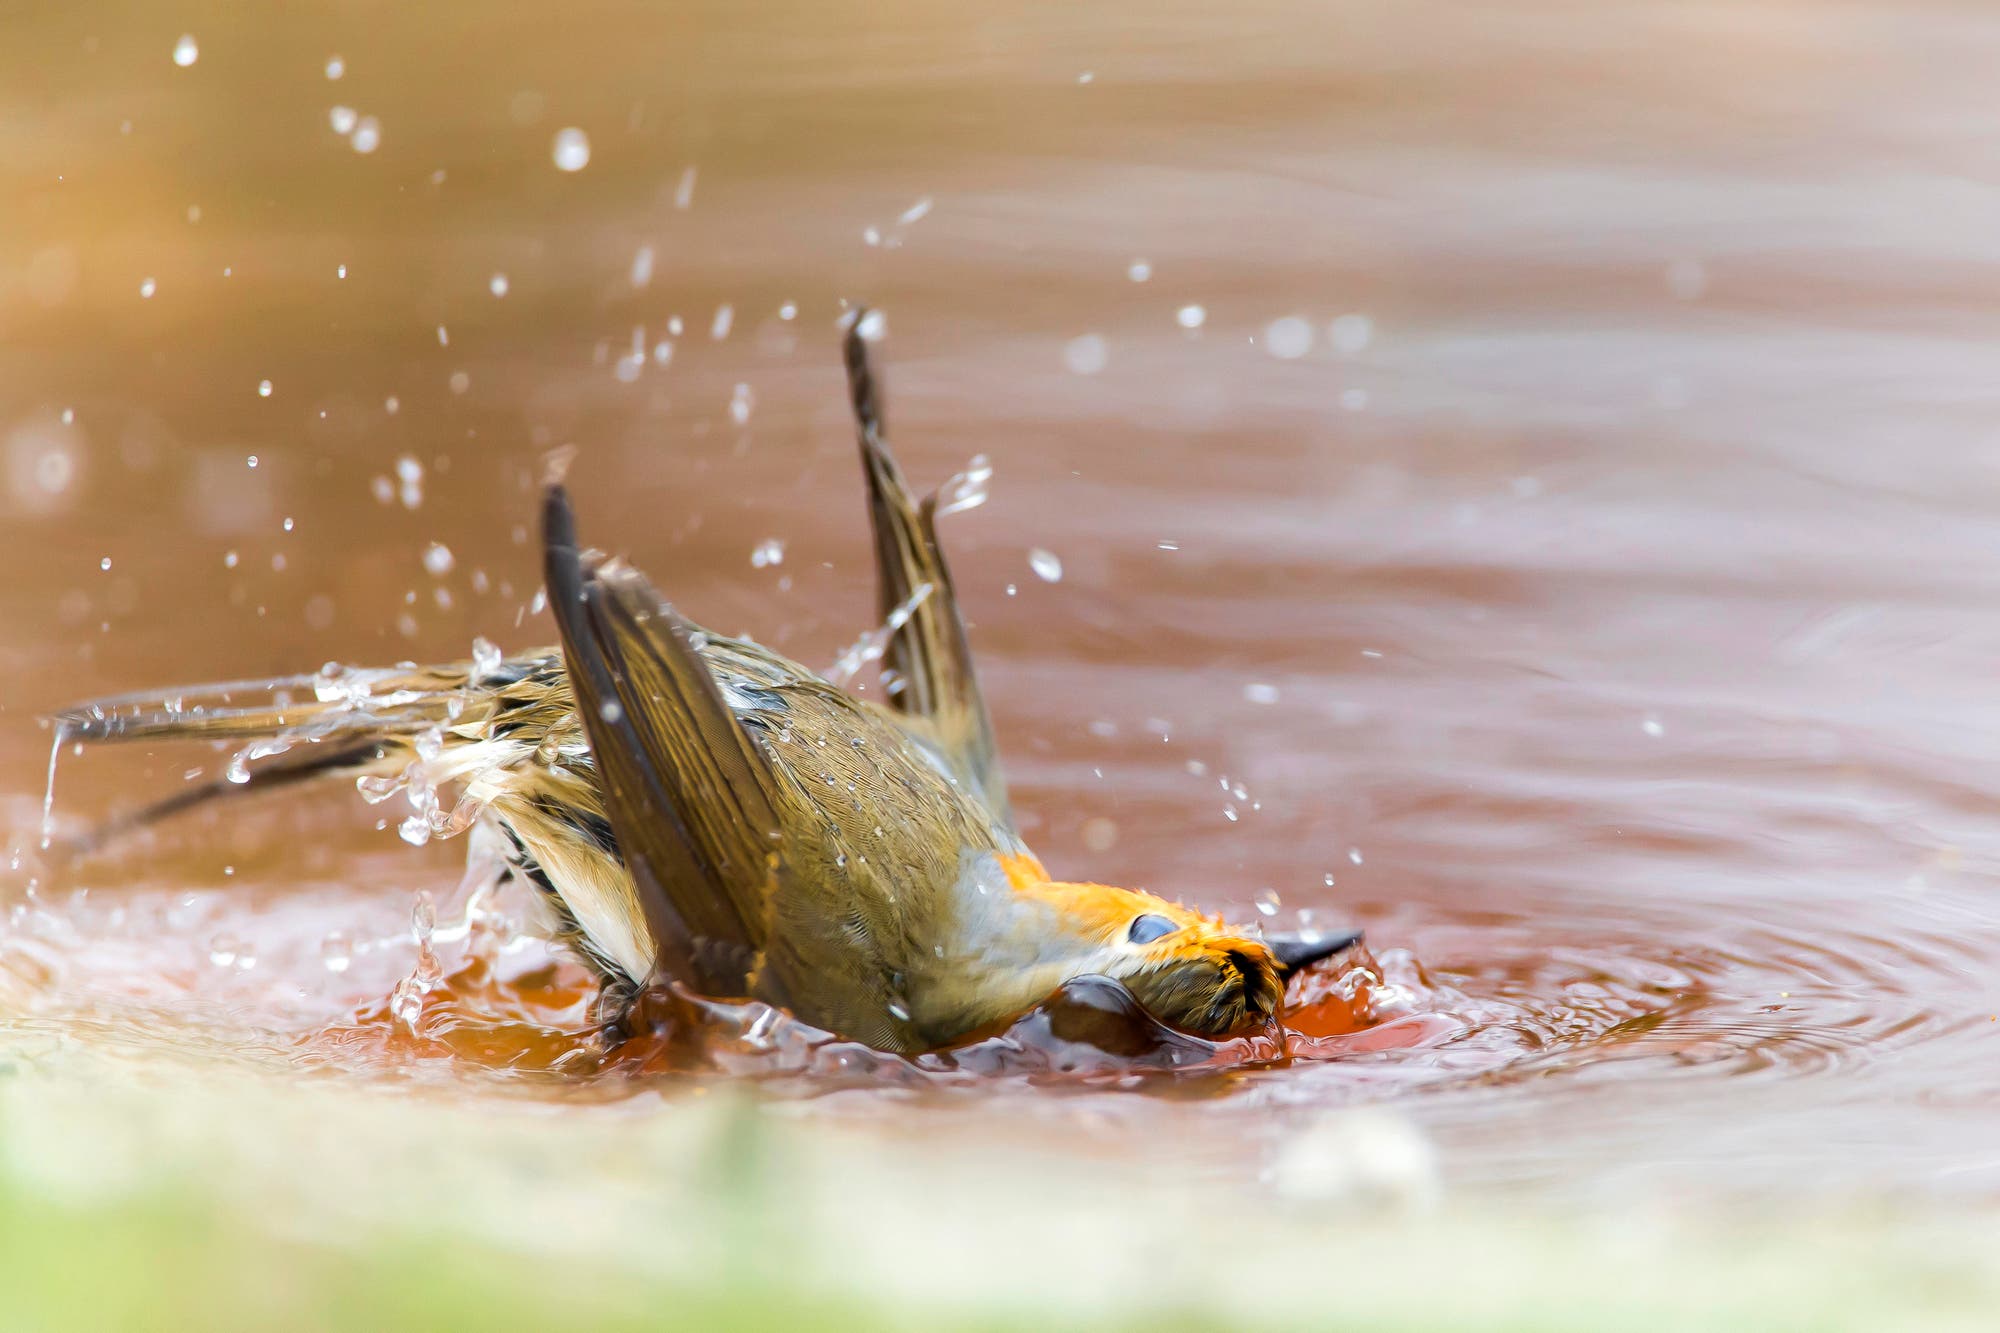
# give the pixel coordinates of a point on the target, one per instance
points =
(700, 811)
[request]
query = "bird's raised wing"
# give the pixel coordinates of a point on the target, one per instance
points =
(927, 650)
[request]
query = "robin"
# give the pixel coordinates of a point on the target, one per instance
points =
(700, 810)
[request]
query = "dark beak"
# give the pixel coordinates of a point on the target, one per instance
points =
(1297, 952)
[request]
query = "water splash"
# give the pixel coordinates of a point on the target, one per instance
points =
(870, 646)
(62, 736)
(406, 1002)
(965, 490)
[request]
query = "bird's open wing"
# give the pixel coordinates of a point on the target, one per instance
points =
(689, 795)
(927, 651)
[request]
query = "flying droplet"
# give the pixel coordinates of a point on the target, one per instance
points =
(1351, 334)
(438, 559)
(1086, 354)
(263, 391)
(497, 284)
(1191, 316)
(770, 551)
(1268, 902)
(186, 52)
(1046, 564)
(336, 951)
(572, 149)
(1289, 338)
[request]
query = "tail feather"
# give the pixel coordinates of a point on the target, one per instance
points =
(327, 702)
(292, 728)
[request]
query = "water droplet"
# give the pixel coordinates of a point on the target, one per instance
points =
(105, 564)
(873, 326)
(1289, 338)
(335, 67)
(1086, 354)
(367, 136)
(342, 119)
(572, 149)
(1191, 316)
(438, 559)
(770, 551)
(1046, 564)
(611, 711)
(410, 479)
(642, 266)
(967, 489)
(263, 391)
(1100, 834)
(684, 191)
(486, 658)
(740, 403)
(1687, 279)
(497, 284)
(1139, 270)
(416, 830)
(147, 288)
(789, 310)
(1351, 334)
(222, 950)
(725, 316)
(337, 952)
(1652, 726)
(1258, 692)
(423, 918)
(229, 559)
(1354, 855)
(1268, 902)
(186, 52)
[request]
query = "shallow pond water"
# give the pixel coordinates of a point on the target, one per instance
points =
(1532, 493)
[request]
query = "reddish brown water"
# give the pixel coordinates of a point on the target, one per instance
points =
(1607, 618)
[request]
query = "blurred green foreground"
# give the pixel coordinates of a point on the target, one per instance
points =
(137, 1194)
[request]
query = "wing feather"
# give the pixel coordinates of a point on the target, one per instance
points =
(929, 650)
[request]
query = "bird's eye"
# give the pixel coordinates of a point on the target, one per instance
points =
(1149, 927)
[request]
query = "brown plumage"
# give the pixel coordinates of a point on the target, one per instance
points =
(702, 810)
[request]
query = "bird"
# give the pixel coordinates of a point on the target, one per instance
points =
(701, 812)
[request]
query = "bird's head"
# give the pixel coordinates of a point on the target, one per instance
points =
(1192, 971)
